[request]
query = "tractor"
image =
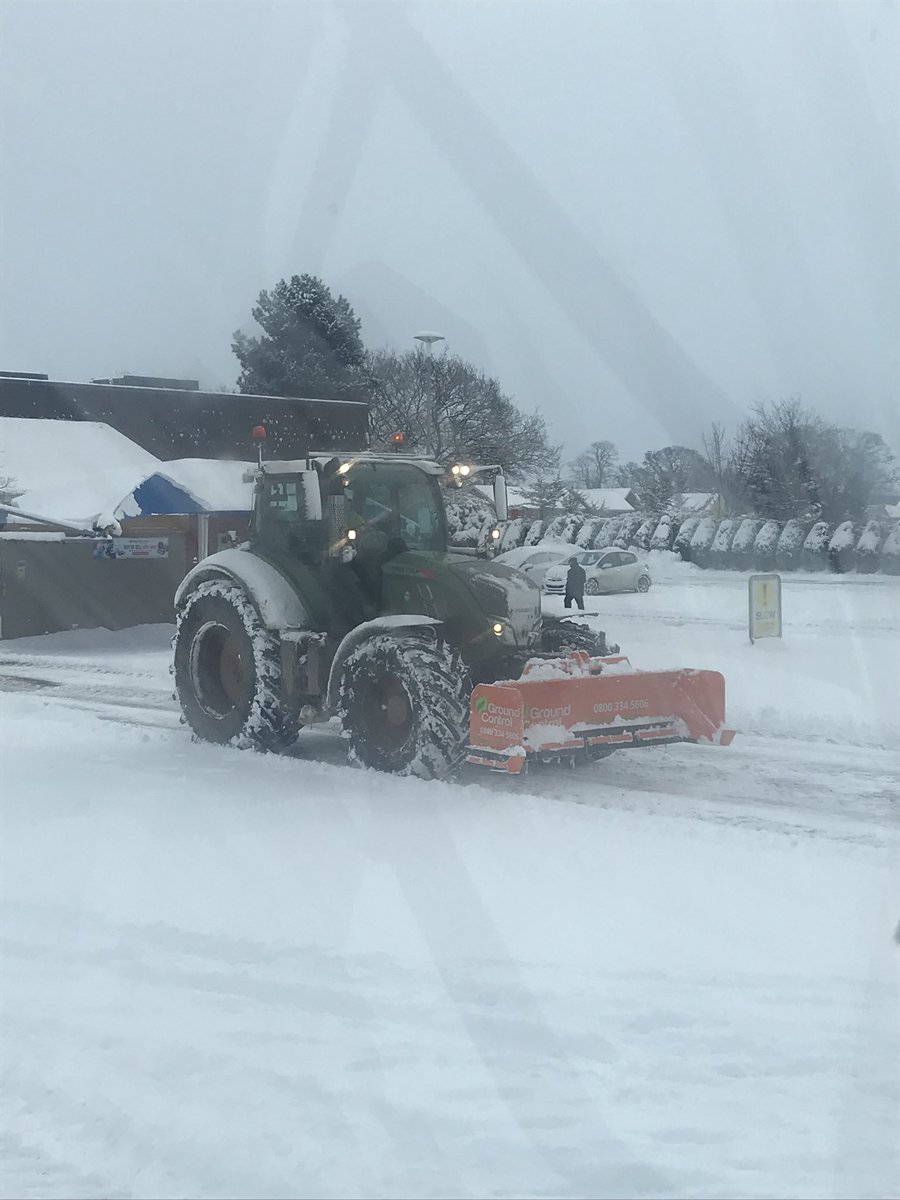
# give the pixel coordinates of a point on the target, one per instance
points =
(347, 602)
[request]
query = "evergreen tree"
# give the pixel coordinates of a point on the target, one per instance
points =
(311, 344)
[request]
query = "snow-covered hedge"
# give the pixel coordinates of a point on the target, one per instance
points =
(535, 533)
(742, 543)
(514, 534)
(562, 529)
(682, 543)
(841, 547)
(868, 548)
(702, 540)
(720, 550)
(466, 517)
(664, 534)
(890, 552)
(609, 533)
(599, 540)
(585, 534)
(815, 547)
(627, 531)
(641, 539)
(765, 546)
(790, 545)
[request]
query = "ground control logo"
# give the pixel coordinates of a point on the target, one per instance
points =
(496, 717)
(550, 714)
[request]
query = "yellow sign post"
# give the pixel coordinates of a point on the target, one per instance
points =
(765, 606)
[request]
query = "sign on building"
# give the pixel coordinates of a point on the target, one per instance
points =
(764, 606)
(151, 547)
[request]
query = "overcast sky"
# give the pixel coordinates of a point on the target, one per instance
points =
(639, 216)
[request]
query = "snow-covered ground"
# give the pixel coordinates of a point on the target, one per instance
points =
(671, 974)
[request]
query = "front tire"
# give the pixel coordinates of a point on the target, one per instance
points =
(228, 671)
(404, 704)
(559, 636)
(643, 584)
(592, 587)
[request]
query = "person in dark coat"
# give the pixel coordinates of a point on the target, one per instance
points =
(575, 581)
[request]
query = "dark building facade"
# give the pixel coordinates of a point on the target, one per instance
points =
(187, 423)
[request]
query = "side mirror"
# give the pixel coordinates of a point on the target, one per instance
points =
(501, 500)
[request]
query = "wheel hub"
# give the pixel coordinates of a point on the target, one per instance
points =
(218, 669)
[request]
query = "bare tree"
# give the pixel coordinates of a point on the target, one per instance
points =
(450, 410)
(596, 466)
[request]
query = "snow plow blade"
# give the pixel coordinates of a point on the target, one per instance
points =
(588, 707)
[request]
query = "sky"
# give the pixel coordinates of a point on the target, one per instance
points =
(641, 217)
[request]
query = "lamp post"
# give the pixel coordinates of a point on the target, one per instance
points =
(427, 338)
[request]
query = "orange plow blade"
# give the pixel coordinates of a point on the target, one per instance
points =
(581, 705)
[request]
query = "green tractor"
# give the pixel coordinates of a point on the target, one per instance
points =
(346, 601)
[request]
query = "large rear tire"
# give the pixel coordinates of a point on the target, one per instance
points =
(559, 636)
(228, 671)
(404, 704)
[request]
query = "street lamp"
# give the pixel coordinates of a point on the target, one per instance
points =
(428, 339)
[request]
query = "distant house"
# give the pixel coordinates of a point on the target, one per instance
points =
(611, 502)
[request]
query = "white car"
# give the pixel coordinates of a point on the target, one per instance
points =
(608, 570)
(534, 560)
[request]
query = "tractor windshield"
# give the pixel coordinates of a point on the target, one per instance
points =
(395, 503)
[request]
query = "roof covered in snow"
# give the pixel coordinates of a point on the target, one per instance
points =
(695, 503)
(80, 470)
(41, 454)
(611, 500)
(184, 486)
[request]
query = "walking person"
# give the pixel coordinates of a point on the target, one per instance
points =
(575, 581)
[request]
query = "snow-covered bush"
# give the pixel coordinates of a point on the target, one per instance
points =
(608, 534)
(554, 529)
(765, 546)
(627, 530)
(841, 547)
(514, 534)
(742, 543)
(790, 545)
(815, 547)
(467, 514)
(720, 550)
(664, 534)
(535, 533)
(890, 552)
(588, 532)
(868, 548)
(702, 540)
(682, 543)
(641, 540)
(562, 529)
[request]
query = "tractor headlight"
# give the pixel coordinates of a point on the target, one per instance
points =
(498, 628)
(495, 534)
